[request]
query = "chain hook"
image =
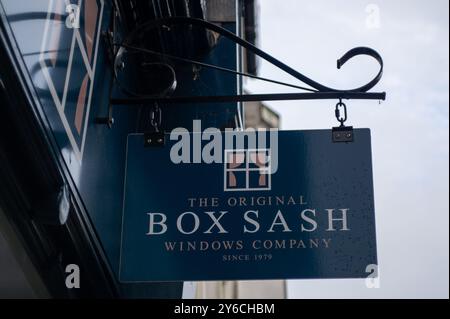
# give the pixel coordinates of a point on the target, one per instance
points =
(156, 117)
(337, 112)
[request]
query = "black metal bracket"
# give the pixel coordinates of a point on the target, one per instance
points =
(342, 134)
(154, 139)
(315, 90)
(250, 98)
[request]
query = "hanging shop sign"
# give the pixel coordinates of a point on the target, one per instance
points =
(199, 207)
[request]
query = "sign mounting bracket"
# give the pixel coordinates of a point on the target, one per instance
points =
(314, 90)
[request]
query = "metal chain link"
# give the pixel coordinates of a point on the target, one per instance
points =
(156, 117)
(337, 112)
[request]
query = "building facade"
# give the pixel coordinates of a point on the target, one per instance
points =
(65, 64)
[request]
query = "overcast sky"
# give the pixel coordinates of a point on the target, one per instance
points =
(409, 130)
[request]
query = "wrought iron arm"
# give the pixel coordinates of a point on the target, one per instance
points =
(319, 87)
(320, 91)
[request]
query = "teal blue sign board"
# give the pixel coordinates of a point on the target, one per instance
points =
(303, 208)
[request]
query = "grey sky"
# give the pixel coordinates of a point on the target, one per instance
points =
(409, 130)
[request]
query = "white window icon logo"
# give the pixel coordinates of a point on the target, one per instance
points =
(247, 170)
